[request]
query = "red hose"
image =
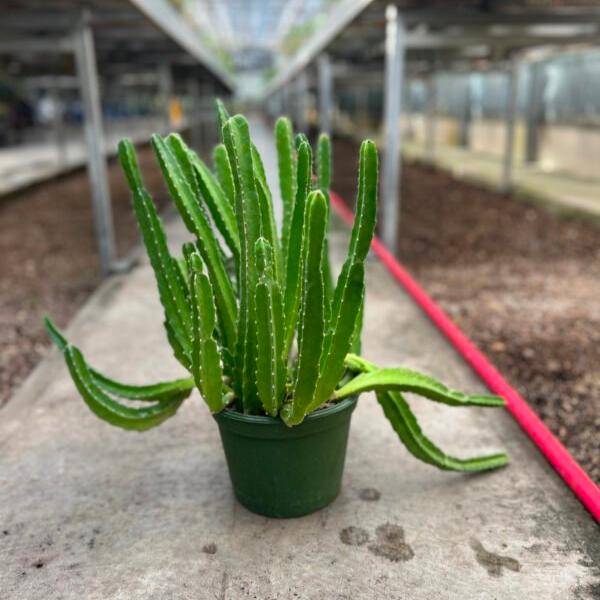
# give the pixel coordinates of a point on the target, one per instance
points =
(558, 456)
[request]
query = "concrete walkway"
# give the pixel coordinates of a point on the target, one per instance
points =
(90, 511)
(563, 192)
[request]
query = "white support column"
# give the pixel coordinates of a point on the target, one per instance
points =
(394, 80)
(87, 74)
(165, 90)
(301, 94)
(430, 119)
(325, 83)
(510, 116)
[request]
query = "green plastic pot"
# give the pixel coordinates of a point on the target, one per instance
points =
(281, 471)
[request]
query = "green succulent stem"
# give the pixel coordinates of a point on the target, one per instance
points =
(98, 390)
(284, 138)
(403, 420)
(312, 311)
(294, 247)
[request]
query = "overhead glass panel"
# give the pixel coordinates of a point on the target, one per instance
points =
(255, 34)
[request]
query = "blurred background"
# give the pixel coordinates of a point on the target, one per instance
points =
(487, 114)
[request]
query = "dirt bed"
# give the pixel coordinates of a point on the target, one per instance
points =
(49, 263)
(523, 283)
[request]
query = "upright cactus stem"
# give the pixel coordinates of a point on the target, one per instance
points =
(288, 180)
(324, 163)
(239, 147)
(251, 312)
(293, 260)
(312, 310)
(324, 184)
(270, 361)
(349, 291)
(206, 358)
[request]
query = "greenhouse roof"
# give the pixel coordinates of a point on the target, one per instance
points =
(436, 31)
(256, 23)
(34, 33)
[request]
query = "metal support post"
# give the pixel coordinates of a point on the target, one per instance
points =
(87, 74)
(165, 90)
(301, 101)
(430, 119)
(465, 116)
(325, 83)
(509, 139)
(394, 80)
(534, 108)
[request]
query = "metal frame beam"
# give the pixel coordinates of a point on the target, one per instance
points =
(55, 45)
(166, 18)
(28, 19)
(432, 41)
(394, 80)
(457, 16)
(345, 13)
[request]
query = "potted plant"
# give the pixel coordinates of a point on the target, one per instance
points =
(252, 314)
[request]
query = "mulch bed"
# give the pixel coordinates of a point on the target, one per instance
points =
(49, 262)
(521, 282)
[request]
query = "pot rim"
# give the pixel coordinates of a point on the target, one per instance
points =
(250, 425)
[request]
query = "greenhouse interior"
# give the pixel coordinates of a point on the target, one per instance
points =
(330, 235)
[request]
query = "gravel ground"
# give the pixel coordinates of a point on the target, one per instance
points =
(49, 263)
(523, 283)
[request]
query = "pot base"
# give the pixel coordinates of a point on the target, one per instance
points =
(284, 512)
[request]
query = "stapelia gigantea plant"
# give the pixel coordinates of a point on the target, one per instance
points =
(251, 312)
